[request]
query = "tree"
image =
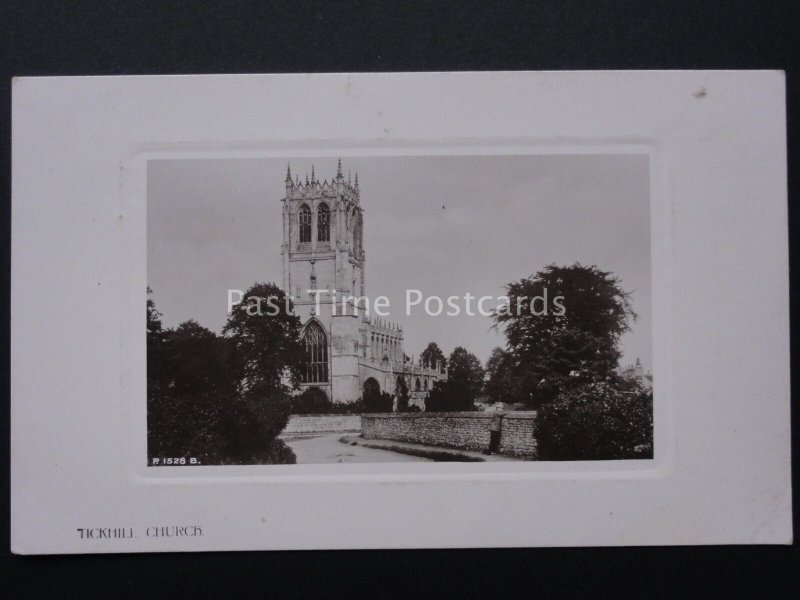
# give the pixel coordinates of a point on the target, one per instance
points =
(449, 396)
(563, 326)
(312, 401)
(433, 355)
(603, 420)
(466, 370)
(156, 370)
(199, 359)
(402, 395)
(195, 410)
(220, 399)
(153, 316)
(267, 345)
(501, 384)
(464, 383)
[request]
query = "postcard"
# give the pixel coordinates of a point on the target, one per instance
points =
(408, 310)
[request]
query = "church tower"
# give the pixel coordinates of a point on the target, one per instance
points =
(323, 250)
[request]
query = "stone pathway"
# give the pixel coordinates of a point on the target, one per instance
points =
(325, 449)
(471, 455)
(350, 448)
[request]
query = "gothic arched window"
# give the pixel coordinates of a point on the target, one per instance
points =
(323, 223)
(304, 218)
(315, 343)
(372, 391)
(418, 385)
(357, 234)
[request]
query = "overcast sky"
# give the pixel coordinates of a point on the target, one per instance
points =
(443, 225)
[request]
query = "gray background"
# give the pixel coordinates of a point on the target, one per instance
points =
(445, 225)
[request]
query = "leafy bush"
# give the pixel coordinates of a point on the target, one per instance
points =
(450, 396)
(219, 399)
(356, 407)
(317, 403)
(217, 428)
(379, 403)
(312, 401)
(598, 421)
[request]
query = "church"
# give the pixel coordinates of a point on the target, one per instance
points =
(349, 354)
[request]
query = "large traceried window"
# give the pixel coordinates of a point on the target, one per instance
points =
(304, 218)
(323, 223)
(315, 343)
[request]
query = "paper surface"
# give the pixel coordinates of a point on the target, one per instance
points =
(715, 143)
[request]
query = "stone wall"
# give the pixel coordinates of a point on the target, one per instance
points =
(462, 430)
(323, 424)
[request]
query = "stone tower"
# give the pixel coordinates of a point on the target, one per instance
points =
(323, 249)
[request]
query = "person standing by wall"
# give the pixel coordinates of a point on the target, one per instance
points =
(494, 431)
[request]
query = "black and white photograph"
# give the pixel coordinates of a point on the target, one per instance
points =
(378, 309)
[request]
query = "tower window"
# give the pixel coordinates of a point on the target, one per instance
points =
(323, 223)
(315, 343)
(357, 237)
(304, 217)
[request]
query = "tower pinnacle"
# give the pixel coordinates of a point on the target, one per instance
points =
(339, 170)
(288, 172)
